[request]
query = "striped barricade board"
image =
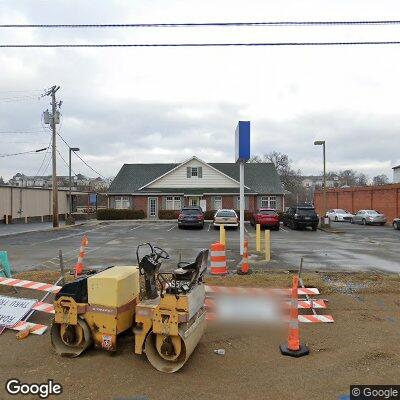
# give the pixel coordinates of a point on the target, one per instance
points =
(44, 287)
(212, 290)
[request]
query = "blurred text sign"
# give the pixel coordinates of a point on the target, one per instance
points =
(13, 309)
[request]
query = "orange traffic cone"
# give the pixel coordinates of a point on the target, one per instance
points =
(293, 348)
(245, 268)
(79, 265)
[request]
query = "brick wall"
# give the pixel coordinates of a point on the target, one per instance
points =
(385, 198)
(228, 201)
(140, 203)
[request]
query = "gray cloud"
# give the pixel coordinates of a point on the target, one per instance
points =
(166, 105)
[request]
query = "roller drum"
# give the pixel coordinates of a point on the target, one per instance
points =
(71, 340)
(189, 339)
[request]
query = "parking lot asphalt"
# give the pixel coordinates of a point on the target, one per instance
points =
(358, 248)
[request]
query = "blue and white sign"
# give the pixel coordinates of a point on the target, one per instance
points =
(242, 141)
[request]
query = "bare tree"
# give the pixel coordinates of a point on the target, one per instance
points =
(290, 178)
(380, 179)
(362, 179)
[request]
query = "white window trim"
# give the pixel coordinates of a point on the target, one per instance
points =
(122, 203)
(217, 199)
(173, 203)
(268, 202)
(194, 172)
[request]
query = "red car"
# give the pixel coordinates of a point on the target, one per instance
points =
(266, 217)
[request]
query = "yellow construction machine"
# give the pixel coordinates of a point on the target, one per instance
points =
(167, 316)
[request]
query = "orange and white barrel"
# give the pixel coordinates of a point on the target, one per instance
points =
(218, 259)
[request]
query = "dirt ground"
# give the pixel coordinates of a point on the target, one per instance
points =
(360, 347)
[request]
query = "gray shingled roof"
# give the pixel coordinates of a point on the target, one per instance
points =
(259, 177)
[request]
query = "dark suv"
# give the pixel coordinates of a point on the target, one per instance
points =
(301, 217)
(191, 216)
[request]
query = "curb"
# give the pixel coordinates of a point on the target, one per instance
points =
(44, 229)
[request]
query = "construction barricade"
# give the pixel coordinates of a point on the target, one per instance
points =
(78, 269)
(218, 259)
(5, 267)
(294, 348)
(245, 268)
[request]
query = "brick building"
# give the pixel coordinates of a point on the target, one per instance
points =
(154, 187)
(385, 198)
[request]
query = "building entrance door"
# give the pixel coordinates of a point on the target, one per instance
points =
(153, 207)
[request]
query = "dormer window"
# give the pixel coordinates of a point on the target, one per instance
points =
(194, 171)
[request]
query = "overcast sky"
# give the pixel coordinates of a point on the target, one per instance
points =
(165, 104)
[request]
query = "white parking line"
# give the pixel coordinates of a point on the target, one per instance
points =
(136, 227)
(246, 229)
(170, 229)
(209, 227)
(68, 236)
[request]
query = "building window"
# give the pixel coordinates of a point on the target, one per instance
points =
(122, 202)
(173, 203)
(246, 204)
(217, 202)
(268, 202)
(238, 203)
(272, 202)
(194, 171)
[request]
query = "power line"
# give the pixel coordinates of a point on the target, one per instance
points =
(89, 166)
(19, 98)
(43, 161)
(250, 44)
(205, 24)
(27, 132)
(23, 152)
(65, 162)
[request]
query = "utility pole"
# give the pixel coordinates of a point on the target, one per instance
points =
(53, 123)
(322, 143)
(71, 149)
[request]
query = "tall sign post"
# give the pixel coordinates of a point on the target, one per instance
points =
(242, 154)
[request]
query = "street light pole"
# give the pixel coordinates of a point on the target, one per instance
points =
(322, 143)
(71, 149)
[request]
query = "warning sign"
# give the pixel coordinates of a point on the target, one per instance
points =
(12, 309)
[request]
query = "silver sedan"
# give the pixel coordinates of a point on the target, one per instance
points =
(369, 217)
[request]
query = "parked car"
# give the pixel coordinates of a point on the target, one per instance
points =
(396, 223)
(369, 217)
(266, 217)
(338, 214)
(228, 218)
(191, 216)
(301, 217)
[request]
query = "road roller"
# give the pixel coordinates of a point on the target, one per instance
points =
(166, 315)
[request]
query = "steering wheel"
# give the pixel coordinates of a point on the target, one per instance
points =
(160, 253)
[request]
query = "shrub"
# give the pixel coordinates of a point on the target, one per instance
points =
(209, 214)
(280, 214)
(110, 213)
(247, 214)
(168, 214)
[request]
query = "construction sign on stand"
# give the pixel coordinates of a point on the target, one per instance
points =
(13, 309)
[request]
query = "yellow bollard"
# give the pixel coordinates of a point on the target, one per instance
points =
(258, 237)
(267, 245)
(222, 235)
